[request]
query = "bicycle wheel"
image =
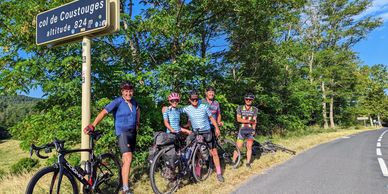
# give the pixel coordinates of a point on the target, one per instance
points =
(163, 175)
(46, 181)
(226, 151)
(201, 161)
(108, 174)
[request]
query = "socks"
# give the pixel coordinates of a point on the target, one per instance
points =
(125, 188)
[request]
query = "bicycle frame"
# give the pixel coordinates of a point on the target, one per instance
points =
(64, 165)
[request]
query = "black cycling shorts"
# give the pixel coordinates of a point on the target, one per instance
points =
(209, 139)
(127, 142)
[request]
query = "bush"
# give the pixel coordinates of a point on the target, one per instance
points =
(24, 165)
(2, 174)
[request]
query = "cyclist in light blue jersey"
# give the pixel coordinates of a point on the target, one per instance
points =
(200, 118)
(172, 115)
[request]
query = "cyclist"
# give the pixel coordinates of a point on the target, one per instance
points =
(213, 105)
(171, 115)
(247, 117)
(126, 114)
(199, 116)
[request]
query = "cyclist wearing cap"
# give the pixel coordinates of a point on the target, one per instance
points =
(213, 105)
(199, 116)
(126, 114)
(247, 117)
(172, 115)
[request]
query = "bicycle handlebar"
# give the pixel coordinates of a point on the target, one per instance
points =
(57, 144)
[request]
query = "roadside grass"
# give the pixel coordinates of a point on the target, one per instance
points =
(237, 177)
(10, 153)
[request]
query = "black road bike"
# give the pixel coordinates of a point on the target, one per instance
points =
(101, 174)
(269, 147)
(226, 149)
(192, 160)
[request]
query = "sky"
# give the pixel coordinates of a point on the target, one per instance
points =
(372, 50)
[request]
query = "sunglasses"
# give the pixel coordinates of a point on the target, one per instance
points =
(194, 99)
(248, 99)
(173, 101)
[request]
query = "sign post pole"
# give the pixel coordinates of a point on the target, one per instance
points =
(86, 74)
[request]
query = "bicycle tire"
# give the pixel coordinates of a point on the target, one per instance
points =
(35, 187)
(108, 174)
(283, 149)
(199, 160)
(226, 151)
(156, 173)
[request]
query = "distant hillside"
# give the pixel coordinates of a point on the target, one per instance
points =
(14, 109)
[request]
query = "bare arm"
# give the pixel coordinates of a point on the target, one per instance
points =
(243, 121)
(137, 118)
(219, 119)
(255, 122)
(99, 117)
(214, 122)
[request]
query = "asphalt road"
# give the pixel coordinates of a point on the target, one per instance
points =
(345, 165)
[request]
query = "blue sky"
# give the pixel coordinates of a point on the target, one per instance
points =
(372, 50)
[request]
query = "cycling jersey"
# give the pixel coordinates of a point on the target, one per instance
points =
(173, 116)
(246, 114)
(214, 107)
(199, 117)
(124, 114)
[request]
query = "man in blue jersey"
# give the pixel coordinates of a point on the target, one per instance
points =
(126, 114)
(199, 116)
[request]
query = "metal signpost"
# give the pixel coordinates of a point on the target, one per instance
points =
(73, 22)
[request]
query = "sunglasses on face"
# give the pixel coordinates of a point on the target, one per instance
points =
(247, 99)
(174, 101)
(194, 99)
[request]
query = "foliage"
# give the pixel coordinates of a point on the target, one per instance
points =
(282, 51)
(24, 165)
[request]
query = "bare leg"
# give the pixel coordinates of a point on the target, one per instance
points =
(249, 150)
(126, 168)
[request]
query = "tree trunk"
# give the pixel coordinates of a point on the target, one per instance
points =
(311, 67)
(332, 125)
(324, 114)
(378, 120)
(371, 121)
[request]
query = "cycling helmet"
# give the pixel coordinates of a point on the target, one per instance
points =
(174, 96)
(249, 96)
(126, 86)
(194, 93)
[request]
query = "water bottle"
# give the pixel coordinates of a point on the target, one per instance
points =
(188, 154)
(87, 167)
(80, 170)
(204, 152)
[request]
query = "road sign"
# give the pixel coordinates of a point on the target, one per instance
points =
(72, 20)
(362, 118)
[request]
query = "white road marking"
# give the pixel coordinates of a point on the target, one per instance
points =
(378, 144)
(379, 140)
(378, 151)
(345, 137)
(383, 166)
